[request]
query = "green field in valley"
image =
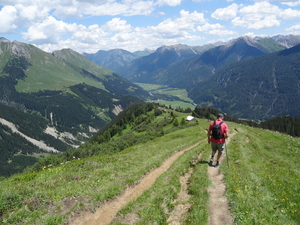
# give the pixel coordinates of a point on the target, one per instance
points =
(184, 102)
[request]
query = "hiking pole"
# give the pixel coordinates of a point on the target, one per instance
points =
(226, 153)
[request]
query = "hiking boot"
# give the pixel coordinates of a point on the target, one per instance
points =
(217, 165)
(211, 162)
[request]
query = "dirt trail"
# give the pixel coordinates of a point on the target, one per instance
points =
(106, 212)
(181, 209)
(219, 207)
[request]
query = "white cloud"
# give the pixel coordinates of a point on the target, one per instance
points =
(8, 16)
(294, 28)
(18, 16)
(290, 3)
(263, 15)
(112, 8)
(169, 2)
(178, 27)
(215, 29)
(117, 25)
(225, 13)
(49, 31)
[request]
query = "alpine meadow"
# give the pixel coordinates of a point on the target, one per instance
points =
(261, 176)
(120, 137)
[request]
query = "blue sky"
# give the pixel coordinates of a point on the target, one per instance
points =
(93, 25)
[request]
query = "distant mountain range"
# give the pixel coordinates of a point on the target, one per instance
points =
(199, 71)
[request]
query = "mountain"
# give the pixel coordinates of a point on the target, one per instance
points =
(186, 73)
(113, 59)
(60, 99)
(258, 88)
(287, 40)
(145, 69)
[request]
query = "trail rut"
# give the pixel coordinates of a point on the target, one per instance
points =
(106, 212)
(219, 206)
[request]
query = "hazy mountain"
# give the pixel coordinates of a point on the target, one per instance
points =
(185, 73)
(258, 88)
(113, 59)
(60, 99)
(287, 40)
(145, 69)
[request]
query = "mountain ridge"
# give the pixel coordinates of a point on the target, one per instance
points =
(67, 93)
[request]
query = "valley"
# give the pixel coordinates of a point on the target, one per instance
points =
(183, 100)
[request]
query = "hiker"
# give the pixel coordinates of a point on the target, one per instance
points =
(217, 133)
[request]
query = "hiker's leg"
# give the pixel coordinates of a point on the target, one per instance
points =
(221, 148)
(214, 148)
(213, 152)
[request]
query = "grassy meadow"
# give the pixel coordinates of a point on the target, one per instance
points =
(163, 89)
(262, 181)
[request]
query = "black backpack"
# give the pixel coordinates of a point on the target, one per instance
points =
(216, 131)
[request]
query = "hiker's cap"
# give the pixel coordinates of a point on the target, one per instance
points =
(220, 115)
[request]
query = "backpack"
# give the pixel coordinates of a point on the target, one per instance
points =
(216, 131)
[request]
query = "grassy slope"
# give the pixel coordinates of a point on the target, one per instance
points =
(47, 67)
(262, 181)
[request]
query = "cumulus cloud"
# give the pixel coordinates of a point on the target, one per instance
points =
(215, 29)
(263, 15)
(225, 13)
(49, 31)
(178, 27)
(117, 25)
(293, 28)
(90, 8)
(18, 16)
(169, 2)
(290, 3)
(117, 21)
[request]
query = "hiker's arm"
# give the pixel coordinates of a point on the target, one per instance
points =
(208, 136)
(225, 135)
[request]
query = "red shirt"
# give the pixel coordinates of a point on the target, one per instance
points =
(224, 129)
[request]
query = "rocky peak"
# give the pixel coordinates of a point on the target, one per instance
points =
(2, 39)
(241, 41)
(20, 49)
(176, 48)
(288, 40)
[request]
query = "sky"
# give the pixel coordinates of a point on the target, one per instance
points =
(93, 25)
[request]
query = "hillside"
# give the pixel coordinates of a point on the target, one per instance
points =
(60, 99)
(259, 88)
(260, 185)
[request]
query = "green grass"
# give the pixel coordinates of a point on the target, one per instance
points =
(263, 178)
(262, 181)
(33, 198)
(164, 89)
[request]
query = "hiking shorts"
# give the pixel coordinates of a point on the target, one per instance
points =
(216, 146)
